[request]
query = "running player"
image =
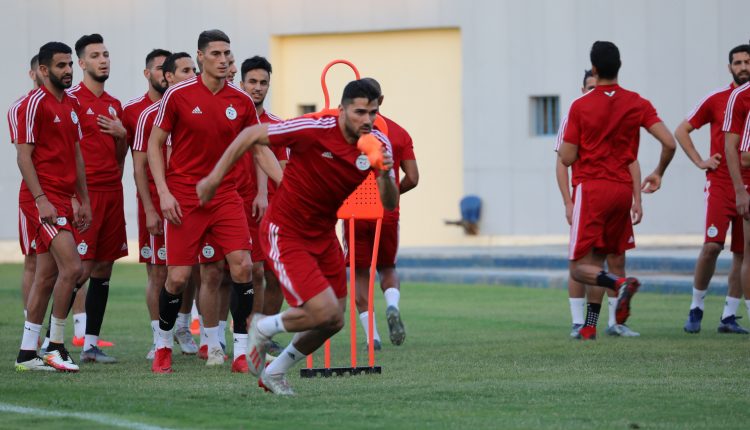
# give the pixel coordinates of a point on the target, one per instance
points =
(51, 164)
(104, 147)
(297, 232)
(403, 157)
(600, 142)
(615, 263)
(720, 208)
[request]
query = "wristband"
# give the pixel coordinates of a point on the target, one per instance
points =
(40, 195)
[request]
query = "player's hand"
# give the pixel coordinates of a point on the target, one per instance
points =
(742, 199)
(711, 163)
(47, 212)
(112, 126)
(206, 189)
(387, 160)
(170, 208)
(651, 184)
(260, 205)
(569, 212)
(636, 213)
(154, 223)
(83, 217)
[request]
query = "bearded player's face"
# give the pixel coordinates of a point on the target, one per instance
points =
(358, 116)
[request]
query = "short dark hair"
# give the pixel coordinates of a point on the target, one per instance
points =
(49, 49)
(606, 58)
(252, 63)
(170, 64)
(155, 54)
(86, 40)
(34, 63)
(738, 49)
(359, 89)
(209, 36)
(375, 84)
(587, 74)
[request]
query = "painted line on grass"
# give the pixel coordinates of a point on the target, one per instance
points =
(97, 418)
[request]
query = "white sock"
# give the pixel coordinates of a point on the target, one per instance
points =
(576, 309)
(212, 337)
(392, 296)
(90, 342)
(154, 329)
(79, 324)
(730, 307)
(57, 330)
(271, 325)
(194, 311)
(288, 358)
(25, 314)
(164, 339)
(612, 306)
(183, 321)
(223, 332)
(698, 297)
(204, 337)
(363, 320)
(240, 344)
(45, 344)
(30, 336)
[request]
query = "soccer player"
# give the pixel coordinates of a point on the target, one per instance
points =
(403, 157)
(50, 161)
(26, 226)
(600, 142)
(615, 263)
(203, 114)
(719, 192)
(297, 232)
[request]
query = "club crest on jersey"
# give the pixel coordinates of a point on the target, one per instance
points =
(61, 220)
(231, 113)
(83, 248)
(208, 251)
(162, 253)
(712, 231)
(362, 163)
(146, 252)
(74, 117)
(112, 111)
(33, 244)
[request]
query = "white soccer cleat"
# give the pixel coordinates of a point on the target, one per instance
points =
(276, 384)
(186, 341)
(35, 364)
(215, 357)
(62, 362)
(257, 345)
(151, 352)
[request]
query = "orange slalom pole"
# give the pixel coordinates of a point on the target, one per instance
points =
(352, 295)
(323, 77)
(371, 295)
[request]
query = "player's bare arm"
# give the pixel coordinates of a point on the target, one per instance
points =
(387, 184)
(47, 212)
(742, 198)
(563, 183)
(568, 153)
(260, 204)
(682, 134)
(266, 161)
(170, 208)
(83, 216)
(636, 212)
(257, 134)
(668, 146)
(154, 224)
(411, 176)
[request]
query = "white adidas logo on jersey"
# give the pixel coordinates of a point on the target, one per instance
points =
(197, 110)
(57, 119)
(327, 154)
(89, 112)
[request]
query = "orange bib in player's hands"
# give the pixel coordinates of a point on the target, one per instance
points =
(372, 147)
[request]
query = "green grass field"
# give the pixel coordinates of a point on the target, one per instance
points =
(475, 357)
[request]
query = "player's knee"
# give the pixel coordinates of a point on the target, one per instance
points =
(71, 272)
(711, 250)
(176, 281)
(242, 270)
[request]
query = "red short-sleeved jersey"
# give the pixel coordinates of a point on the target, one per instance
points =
(710, 110)
(737, 109)
(13, 116)
(53, 128)
(130, 113)
(605, 124)
(202, 125)
(99, 152)
(403, 149)
(247, 184)
(323, 170)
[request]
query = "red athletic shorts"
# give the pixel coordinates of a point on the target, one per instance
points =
(601, 219)
(43, 235)
(28, 225)
(256, 254)
(364, 237)
(152, 249)
(213, 230)
(304, 267)
(720, 212)
(106, 239)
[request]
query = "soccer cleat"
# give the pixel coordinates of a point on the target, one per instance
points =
(575, 331)
(215, 357)
(151, 352)
(376, 345)
(588, 332)
(162, 361)
(729, 325)
(195, 327)
(35, 364)
(79, 341)
(256, 343)
(186, 341)
(621, 330)
(269, 358)
(96, 355)
(625, 293)
(203, 352)
(276, 384)
(693, 323)
(395, 325)
(60, 360)
(274, 348)
(239, 365)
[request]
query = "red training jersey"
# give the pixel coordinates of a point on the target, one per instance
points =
(130, 113)
(323, 170)
(605, 124)
(403, 149)
(202, 125)
(247, 184)
(13, 116)
(53, 128)
(98, 148)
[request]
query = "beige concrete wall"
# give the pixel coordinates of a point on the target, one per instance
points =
(420, 73)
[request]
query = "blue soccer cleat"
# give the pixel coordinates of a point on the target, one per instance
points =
(729, 325)
(693, 323)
